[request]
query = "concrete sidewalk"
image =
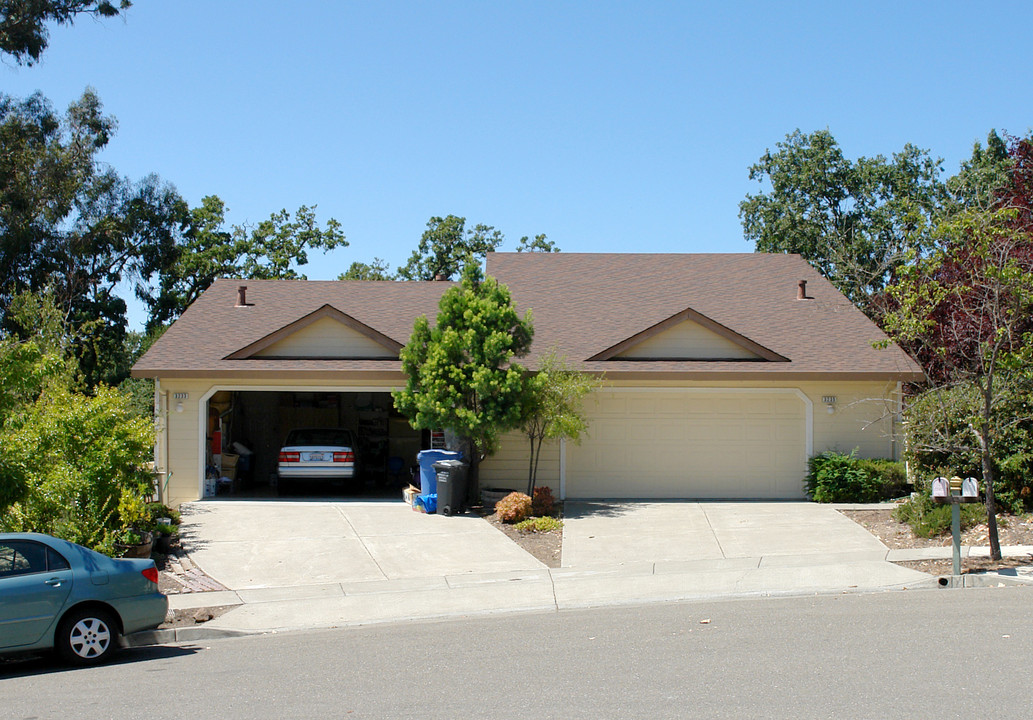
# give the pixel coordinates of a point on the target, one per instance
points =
(627, 566)
(326, 605)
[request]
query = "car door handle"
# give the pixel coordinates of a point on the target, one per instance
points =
(54, 582)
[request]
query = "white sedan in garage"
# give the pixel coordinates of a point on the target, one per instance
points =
(316, 454)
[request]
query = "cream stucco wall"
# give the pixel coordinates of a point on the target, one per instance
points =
(325, 337)
(687, 339)
(863, 418)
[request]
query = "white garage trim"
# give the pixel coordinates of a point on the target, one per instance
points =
(202, 411)
(563, 468)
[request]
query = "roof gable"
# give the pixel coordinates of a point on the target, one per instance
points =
(325, 334)
(688, 335)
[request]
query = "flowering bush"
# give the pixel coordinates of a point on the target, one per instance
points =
(542, 503)
(513, 508)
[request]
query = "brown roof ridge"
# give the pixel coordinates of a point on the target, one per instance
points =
(688, 314)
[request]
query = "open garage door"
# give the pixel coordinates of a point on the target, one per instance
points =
(696, 443)
(250, 427)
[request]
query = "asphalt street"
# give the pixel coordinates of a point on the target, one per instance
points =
(917, 654)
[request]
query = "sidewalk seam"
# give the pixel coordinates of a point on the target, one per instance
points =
(712, 530)
(360, 538)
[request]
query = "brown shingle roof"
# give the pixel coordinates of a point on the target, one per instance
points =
(214, 327)
(582, 304)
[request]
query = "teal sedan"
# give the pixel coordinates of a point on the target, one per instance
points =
(56, 594)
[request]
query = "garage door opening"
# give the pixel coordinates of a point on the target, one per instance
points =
(246, 430)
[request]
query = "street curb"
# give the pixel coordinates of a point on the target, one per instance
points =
(145, 638)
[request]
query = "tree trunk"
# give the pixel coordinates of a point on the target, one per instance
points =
(991, 503)
(473, 476)
(986, 446)
(530, 469)
(534, 473)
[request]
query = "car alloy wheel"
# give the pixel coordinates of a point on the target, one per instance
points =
(87, 636)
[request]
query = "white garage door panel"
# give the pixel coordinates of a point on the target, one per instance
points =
(686, 444)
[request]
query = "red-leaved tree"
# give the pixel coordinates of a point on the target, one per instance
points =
(965, 312)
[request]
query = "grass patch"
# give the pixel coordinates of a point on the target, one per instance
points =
(539, 524)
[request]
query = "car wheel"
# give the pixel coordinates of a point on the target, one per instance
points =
(87, 636)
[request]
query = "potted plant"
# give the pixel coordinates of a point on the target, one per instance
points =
(163, 533)
(134, 543)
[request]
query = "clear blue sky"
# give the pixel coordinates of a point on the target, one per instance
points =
(608, 126)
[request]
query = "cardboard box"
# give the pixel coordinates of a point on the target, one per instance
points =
(229, 460)
(409, 495)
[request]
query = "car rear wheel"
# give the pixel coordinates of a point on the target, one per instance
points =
(87, 636)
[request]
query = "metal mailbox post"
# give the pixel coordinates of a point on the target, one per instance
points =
(956, 492)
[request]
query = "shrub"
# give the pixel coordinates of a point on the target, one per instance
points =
(835, 477)
(890, 475)
(543, 502)
(539, 524)
(513, 508)
(84, 458)
(156, 510)
(929, 519)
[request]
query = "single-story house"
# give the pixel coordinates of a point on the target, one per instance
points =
(722, 373)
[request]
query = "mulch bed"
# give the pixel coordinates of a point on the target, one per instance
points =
(1011, 530)
(545, 546)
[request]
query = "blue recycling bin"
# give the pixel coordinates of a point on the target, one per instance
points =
(428, 475)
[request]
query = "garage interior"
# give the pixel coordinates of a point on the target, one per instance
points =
(247, 428)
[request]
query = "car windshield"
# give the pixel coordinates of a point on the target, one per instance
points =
(331, 437)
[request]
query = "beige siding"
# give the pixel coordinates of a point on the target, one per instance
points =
(508, 467)
(325, 338)
(688, 340)
(863, 418)
(656, 429)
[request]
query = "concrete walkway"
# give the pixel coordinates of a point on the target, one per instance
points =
(316, 565)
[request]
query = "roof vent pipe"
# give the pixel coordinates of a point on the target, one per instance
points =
(242, 296)
(801, 290)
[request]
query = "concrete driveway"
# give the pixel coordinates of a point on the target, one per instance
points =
(261, 544)
(619, 532)
(293, 565)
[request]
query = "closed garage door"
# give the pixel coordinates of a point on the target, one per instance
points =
(691, 444)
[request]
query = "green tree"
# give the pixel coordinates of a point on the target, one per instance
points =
(446, 246)
(72, 227)
(856, 222)
(377, 270)
(552, 408)
(23, 31)
(540, 243)
(966, 310)
(207, 250)
(460, 374)
(981, 177)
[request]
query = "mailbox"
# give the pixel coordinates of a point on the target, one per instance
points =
(941, 488)
(969, 488)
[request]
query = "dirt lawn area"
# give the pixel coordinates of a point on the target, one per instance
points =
(1011, 530)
